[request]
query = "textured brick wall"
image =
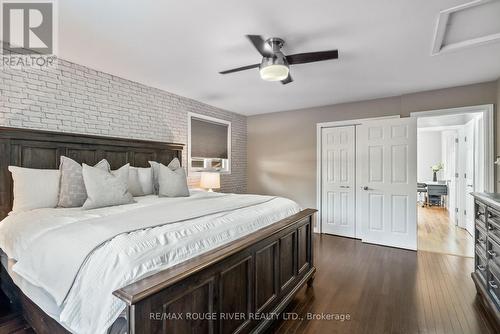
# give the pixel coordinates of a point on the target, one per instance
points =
(74, 98)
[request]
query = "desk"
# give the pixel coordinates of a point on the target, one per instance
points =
(435, 192)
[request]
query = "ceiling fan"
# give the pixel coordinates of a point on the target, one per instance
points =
(275, 66)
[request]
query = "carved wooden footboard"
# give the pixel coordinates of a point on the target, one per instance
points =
(238, 288)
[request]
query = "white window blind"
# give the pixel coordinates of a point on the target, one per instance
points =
(208, 139)
(209, 144)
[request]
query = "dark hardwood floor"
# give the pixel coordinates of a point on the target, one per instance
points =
(10, 321)
(381, 289)
(387, 290)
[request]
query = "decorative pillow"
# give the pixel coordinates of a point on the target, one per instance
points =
(72, 190)
(155, 166)
(172, 183)
(134, 185)
(140, 181)
(34, 188)
(106, 188)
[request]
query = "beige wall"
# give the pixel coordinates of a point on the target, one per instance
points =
(282, 146)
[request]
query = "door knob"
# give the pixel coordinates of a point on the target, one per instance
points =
(365, 188)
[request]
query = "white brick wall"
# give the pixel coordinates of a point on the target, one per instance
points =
(74, 98)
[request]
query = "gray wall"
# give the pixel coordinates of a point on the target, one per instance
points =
(282, 146)
(74, 98)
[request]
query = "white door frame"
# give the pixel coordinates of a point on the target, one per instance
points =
(489, 133)
(318, 228)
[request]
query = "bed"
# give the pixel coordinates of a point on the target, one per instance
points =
(247, 262)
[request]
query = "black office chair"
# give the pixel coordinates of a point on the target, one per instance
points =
(422, 191)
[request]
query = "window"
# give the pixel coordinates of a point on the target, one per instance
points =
(209, 144)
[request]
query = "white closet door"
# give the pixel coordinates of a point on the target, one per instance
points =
(337, 175)
(387, 182)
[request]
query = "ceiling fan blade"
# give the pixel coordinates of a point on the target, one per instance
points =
(287, 80)
(260, 44)
(310, 57)
(243, 68)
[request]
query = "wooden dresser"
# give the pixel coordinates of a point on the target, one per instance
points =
(486, 273)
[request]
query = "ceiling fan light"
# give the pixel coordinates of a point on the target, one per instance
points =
(274, 72)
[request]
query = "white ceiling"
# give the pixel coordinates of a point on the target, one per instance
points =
(180, 46)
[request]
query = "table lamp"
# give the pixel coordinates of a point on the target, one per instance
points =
(210, 180)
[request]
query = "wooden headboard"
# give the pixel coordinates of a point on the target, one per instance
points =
(43, 149)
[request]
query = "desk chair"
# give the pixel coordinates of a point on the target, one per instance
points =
(422, 194)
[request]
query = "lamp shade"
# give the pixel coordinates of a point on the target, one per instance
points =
(210, 180)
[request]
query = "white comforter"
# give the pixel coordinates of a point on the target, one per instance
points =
(90, 307)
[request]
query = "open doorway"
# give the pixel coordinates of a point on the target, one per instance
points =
(454, 159)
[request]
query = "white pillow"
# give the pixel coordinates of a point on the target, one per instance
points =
(134, 185)
(35, 188)
(172, 183)
(140, 181)
(155, 166)
(105, 188)
(72, 189)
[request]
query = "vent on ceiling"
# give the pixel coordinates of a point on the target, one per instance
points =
(470, 24)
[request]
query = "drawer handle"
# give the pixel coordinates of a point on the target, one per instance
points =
(493, 285)
(481, 240)
(492, 253)
(481, 267)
